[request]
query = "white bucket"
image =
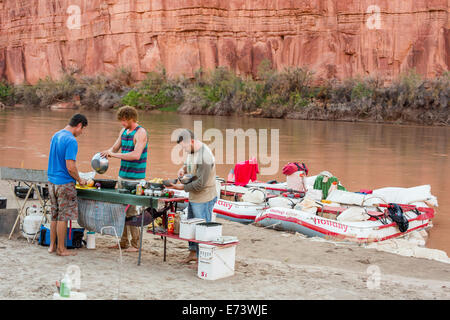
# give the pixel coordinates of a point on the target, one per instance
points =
(90, 241)
(187, 228)
(215, 262)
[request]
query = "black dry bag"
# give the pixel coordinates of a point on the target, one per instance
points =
(396, 214)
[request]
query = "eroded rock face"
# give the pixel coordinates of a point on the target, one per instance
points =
(334, 38)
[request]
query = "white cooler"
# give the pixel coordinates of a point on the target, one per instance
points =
(208, 231)
(187, 228)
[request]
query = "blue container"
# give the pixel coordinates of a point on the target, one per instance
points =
(75, 241)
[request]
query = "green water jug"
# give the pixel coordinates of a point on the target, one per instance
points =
(64, 289)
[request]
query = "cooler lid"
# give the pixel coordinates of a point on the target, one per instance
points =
(193, 221)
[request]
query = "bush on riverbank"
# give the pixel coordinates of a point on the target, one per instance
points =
(290, 93)
(5, 93)
(156, 91)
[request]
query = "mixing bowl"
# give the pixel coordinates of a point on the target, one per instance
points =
(99, 163)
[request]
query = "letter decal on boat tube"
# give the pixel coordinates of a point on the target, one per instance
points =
(330, 223)
(225, 204)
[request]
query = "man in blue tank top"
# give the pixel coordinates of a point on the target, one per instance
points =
(132, 142)
(62, 174)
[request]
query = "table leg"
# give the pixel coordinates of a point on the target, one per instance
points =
(165, 240)
(140, 238)
(142, 231)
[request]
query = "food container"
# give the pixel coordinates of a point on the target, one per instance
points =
(176, 224)
(170, 223)
(129, 185)
(157, 193)
(156, 186)
(187, 228)
(208, 231)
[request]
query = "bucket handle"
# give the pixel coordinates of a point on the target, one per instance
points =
(224, 262)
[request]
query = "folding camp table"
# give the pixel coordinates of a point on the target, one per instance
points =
(32, 178)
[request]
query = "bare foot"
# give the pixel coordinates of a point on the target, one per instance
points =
(191, 257)
(116, 246)
(131, 249)
(65, 253)
(51, 249)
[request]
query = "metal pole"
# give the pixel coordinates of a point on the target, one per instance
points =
(44, 212)
(165, 240)
(142, 230)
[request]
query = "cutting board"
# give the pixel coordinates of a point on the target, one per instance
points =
(84, 187)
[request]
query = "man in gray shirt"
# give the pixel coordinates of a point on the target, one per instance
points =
(200, 162)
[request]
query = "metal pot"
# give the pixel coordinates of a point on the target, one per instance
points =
(129, 185)
(99, 163)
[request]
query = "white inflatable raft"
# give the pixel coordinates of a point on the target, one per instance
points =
(314, 225)
(243, 212)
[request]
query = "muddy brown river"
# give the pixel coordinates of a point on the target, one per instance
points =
(361, 155)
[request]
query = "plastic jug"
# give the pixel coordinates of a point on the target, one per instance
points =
(333, 187)
(64, 289)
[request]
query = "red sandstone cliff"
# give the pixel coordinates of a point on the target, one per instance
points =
(334, 38)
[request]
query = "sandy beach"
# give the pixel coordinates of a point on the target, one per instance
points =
(270, 265)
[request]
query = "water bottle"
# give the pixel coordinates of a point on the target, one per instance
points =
(64, 289)
(230, 177)
(333, 187)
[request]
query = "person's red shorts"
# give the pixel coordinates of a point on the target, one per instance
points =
(64, 202)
